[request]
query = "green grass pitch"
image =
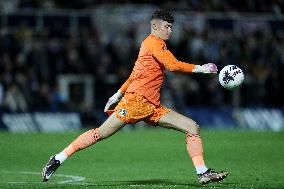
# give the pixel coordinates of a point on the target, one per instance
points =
(150, 158)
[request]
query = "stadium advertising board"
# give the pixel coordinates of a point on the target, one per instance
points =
(42, 122)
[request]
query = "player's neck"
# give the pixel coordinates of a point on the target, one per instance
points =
(155, 35)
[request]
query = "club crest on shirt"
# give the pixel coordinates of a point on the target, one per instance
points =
(122, 112)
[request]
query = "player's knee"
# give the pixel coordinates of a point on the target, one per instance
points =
(103, 134)
(193, 129)
(197, 129)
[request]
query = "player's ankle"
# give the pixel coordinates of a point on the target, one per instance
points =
(61, 157)
(201, 169)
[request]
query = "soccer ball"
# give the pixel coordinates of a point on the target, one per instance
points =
(231, 77)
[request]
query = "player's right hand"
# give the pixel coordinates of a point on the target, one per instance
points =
(113, 100)
(206, 68)
(210, 68)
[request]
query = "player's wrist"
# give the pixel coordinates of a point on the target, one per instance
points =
(197, 69)
(118, 94)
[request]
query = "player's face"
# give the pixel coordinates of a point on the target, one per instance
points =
(165, 30)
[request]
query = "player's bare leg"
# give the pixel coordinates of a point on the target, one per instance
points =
(174, 120)
(88, 138)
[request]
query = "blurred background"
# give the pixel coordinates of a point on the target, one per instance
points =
(61, 60)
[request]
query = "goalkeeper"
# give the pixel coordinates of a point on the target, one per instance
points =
(138, 99)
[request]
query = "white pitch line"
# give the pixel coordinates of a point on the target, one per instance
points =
(71, 178)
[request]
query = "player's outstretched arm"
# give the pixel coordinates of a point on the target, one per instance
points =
(163, 55)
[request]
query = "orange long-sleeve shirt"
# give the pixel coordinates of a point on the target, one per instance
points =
(147, 75)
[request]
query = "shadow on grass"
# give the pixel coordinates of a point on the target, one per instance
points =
(160, 183)
(156, 182)
(148, 183)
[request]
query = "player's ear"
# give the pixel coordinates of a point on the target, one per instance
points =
(154, 26)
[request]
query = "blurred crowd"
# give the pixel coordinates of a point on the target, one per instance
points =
(272, 6)
(30, 62)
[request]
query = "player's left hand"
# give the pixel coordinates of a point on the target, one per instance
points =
(112, 101)
(206, 68)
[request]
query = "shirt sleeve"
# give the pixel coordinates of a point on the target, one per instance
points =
(163, 55)
(126, 84)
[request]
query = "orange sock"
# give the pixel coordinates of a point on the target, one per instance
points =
(195, 151)
(83, 141)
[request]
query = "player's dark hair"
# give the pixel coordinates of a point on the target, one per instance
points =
(163, 15)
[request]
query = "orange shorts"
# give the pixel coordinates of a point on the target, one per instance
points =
(134, 107)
